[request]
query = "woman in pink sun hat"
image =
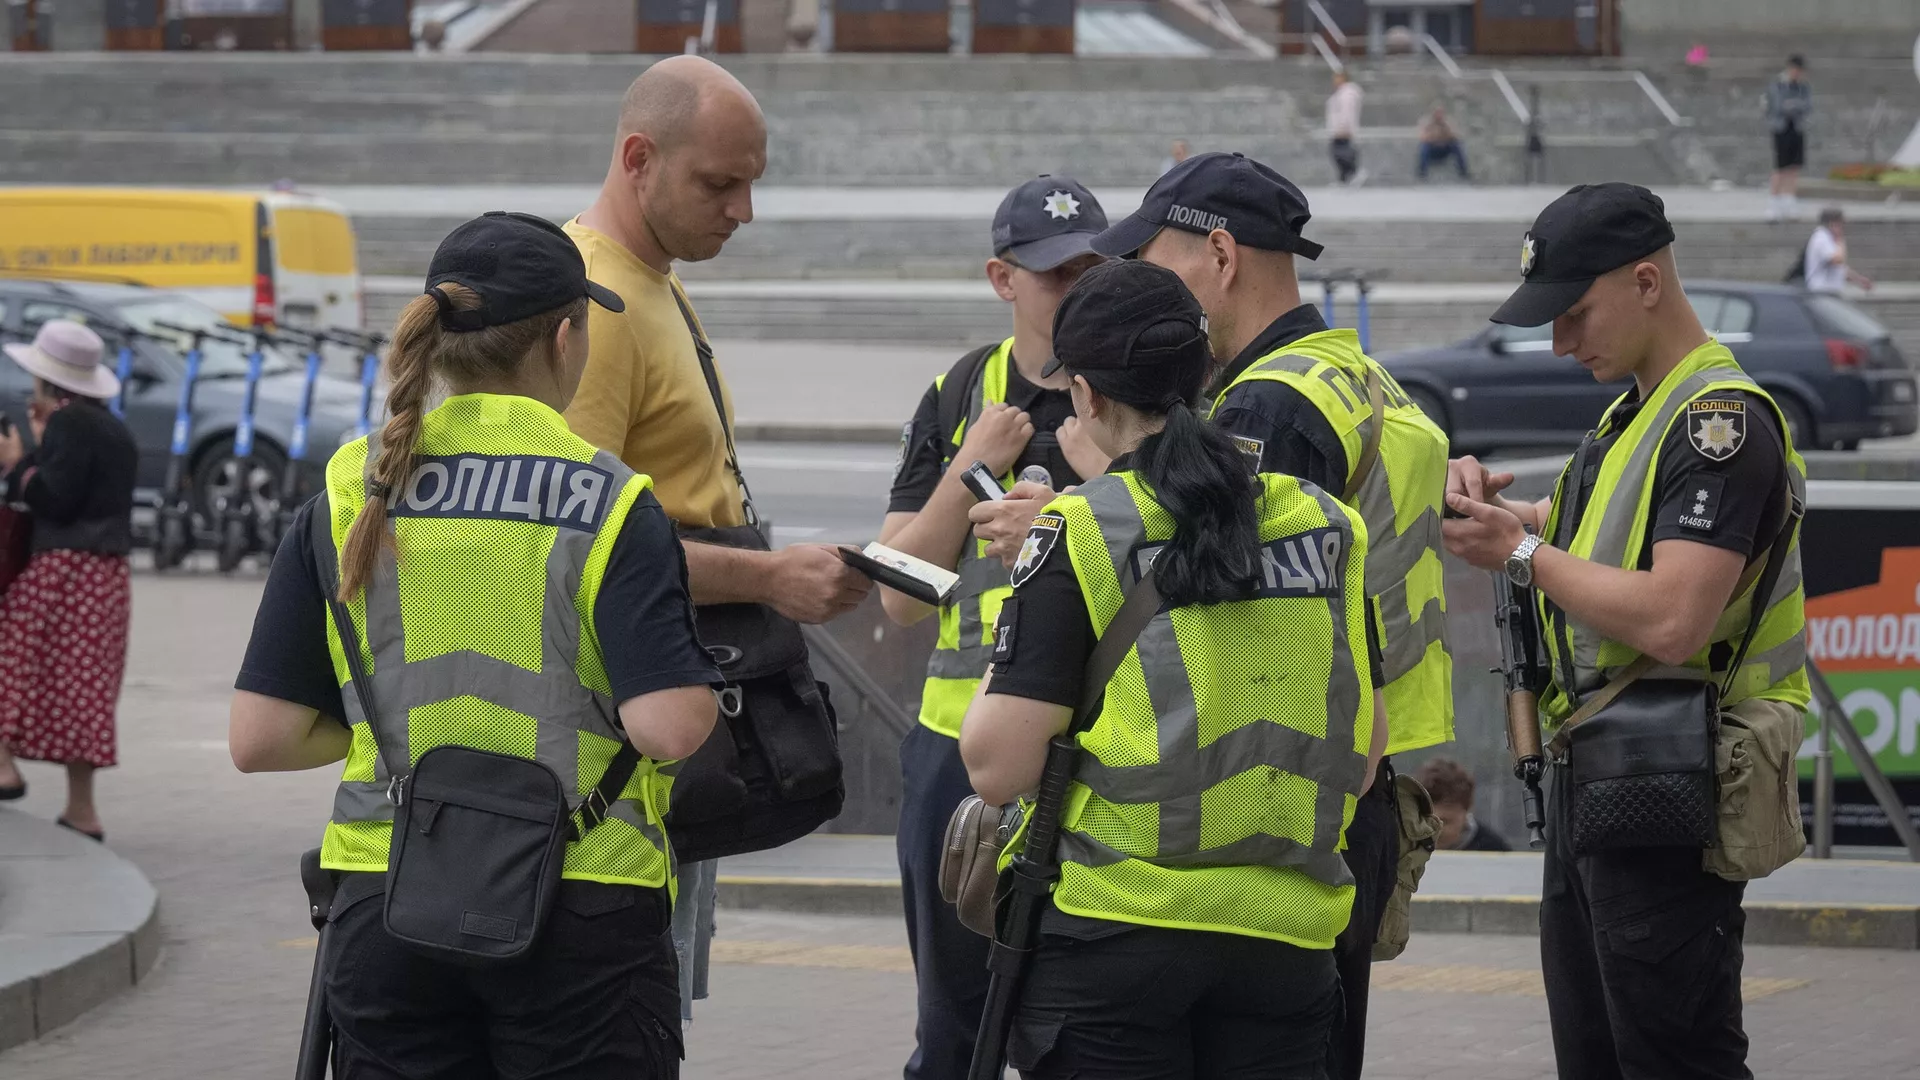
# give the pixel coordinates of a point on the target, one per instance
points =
(63, 621)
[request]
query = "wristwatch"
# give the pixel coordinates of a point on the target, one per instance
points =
(1520, 563)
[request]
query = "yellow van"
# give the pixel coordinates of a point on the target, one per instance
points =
(256, 257)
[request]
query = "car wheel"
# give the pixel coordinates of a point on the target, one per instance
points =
(1800, 427)
(1430, 403)
(219, 477)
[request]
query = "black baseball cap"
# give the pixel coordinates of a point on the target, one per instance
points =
(1047, 221)
(1255, 205)
(1099, 322)
(1592, 230)
(520, 264)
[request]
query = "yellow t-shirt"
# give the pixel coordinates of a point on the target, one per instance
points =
(643, 395)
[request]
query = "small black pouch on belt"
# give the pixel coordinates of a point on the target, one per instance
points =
(479, 838)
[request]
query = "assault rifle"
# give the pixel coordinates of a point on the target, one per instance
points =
(1036, 866)
(1524, 669)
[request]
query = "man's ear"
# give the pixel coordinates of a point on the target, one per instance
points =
(1223, 255)
(638, 151)
(1000, 276)
(1650, 283)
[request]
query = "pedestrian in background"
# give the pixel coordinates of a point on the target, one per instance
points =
(1439, 143)
(691, 142)
(1824, 260)
(63, 621)
(1789, 103)
(1177, 154)
(992, 406)
(1343, 126)
(1450, 786)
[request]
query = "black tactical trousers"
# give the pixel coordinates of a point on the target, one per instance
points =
(597, 1000)
(1641, 950)
(949, 960)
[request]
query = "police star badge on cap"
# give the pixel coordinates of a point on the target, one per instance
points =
(1062, 206)
(1526, 255)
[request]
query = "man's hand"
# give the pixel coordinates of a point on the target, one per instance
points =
(996, 438)
(1466, 476)
(811, 584)
(1088, 460)
(1004, 524)
(1485, 536)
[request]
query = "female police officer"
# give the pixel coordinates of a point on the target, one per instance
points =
(519, 592)
(1201, 883)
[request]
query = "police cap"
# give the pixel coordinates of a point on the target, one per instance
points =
(520, 264)
(1254, 204)
(1047, 221)
(1592, 230)
(1100, 323)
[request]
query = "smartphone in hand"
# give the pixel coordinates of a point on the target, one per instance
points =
(981, 481)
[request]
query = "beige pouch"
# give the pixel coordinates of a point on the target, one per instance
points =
(1419, 828)
(1760, 829)
(970, 861)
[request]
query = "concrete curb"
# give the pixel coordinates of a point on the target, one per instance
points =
(1863, 926)
(78, 924)
(814, 432)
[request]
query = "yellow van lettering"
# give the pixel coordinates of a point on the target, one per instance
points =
(186, 252)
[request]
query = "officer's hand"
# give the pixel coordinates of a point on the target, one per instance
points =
(1087, 459)
(996, 438)
(812, 585)
(1466, 476)
(1004, 524)
(1484, 535)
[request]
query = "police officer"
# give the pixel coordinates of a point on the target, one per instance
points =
(993, 406)
(1641, 551)
(542, 615)
(1201, 887)
(1297, 399)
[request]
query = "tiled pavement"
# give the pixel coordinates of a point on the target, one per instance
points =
(794, 996)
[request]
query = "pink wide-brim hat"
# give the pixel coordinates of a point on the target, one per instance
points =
(69, 356)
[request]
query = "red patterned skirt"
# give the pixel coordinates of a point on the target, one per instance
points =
(63, 650)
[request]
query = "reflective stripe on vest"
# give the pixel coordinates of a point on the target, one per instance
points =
(429, 691)
(1400, 500)
(965, 645)
(1612, 531)
(1213, 790)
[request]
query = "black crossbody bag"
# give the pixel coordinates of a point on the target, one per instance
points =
(770, 772)
(479, 838)
(1641, 751)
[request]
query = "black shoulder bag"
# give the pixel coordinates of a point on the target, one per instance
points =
(770, 772)
(479, 838)
(1641, 751)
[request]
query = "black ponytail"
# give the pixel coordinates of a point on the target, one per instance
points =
(1200, 478)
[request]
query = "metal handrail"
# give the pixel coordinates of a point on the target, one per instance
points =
(1513, 99)
(822, 645)
(1215, 15)
(1327, 54)
(1441, 54)
(1856, 747)
(1660, 100)
(1333, 30)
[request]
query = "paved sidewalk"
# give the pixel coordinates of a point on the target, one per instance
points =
(797, 997)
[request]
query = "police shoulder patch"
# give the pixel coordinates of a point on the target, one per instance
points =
(1041, 539)
(1253, 449)
(906, 441)
(1717, 428)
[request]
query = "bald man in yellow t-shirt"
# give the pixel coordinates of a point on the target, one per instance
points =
(690, 145)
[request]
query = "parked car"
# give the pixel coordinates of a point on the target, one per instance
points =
(1832, 367)
(153, 391)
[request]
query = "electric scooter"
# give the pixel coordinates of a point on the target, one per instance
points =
(173, 520)
(369, 344)
(239, 521)
(123, 367)
(288, 499)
